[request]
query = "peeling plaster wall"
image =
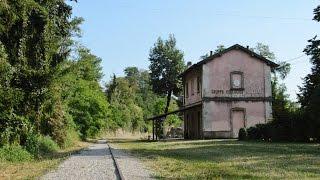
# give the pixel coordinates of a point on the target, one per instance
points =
(216, 83)
(189, 78)
(268, 92)
(216, 75)
(216, 115)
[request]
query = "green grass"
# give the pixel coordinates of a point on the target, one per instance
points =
(226, 159)
(14, 154)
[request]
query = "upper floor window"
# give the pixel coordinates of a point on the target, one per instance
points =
(187, 90)
(236, 80)
(192, 86)
(198, 84)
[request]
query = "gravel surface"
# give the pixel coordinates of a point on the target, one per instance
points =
(131, 167)
(93, 163)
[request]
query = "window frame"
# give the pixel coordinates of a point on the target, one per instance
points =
(242, 80)
(192, 86)
(187, 89)
(198, 84)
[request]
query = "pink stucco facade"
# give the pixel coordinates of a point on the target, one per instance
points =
(194, 93)
(235, 92)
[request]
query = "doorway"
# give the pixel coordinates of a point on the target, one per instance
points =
(237, 120)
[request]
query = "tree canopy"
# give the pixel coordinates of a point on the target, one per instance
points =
(166, 63)
(44, 91)
(309, 95)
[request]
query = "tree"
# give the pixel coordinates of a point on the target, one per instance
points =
(219, 49)
(132, 101)
(309, 96)
(110, 88)
(282, 108)
(264, 50)
(35, 37)
(125, 112)
(166, 63)
(82, 95)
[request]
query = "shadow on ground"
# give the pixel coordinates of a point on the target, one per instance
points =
(227, 158)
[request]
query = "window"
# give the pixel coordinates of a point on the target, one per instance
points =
(236, 80)
(198, 84)
(187, 90)
(192, 87)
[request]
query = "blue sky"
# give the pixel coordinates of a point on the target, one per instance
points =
(122, 32)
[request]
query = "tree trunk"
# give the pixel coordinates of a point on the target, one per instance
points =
(168, 101)
(161, 123)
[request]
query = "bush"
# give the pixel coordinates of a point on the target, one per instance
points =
(254, 133)
(32, 144)
(38, 145)
(56, 123)
(47, 145)
(14, 154)
(72, 138)
(243, 135)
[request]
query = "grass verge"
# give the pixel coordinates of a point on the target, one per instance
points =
(33, 168)
(229, 159)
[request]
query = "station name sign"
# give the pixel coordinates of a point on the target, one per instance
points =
(229, 92)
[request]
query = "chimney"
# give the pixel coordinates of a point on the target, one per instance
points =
(211, 53)
(189, 63)
(247, 47)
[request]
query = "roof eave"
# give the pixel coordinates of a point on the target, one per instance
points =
(237, 47)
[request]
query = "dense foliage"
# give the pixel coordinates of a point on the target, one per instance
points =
(47, 96)
(166, 64)
(285, 112)
(132, 101)
(291, 122)
(309, 96)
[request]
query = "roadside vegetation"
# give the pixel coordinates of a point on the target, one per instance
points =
(51, 96)
(226, 159)
(18, 163)
(295, 122)
(50, 93)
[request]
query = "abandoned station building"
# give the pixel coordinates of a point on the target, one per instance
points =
(225, 92)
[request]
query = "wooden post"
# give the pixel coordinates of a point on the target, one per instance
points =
(156, 129)
(153, 129)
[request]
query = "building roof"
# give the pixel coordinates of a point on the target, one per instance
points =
(176, 111)
(234, 47)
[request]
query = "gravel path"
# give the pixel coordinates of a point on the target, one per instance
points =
(96, 163)
(93, 163)
(131, 167)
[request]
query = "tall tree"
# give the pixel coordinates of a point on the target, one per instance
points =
(82, 94)
(264, 50)
(282, 107)
(166, 63)
(36, 37)
(309, 96)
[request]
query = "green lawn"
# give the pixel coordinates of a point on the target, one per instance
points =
(230, 159)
